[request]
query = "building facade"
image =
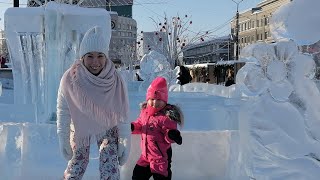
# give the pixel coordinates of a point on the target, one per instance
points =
(254, 23)
(122, 7)
(254, 26)
(204, 60)
(209, 51)
(123, 40)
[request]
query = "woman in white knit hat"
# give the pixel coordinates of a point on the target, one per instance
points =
(92, 106)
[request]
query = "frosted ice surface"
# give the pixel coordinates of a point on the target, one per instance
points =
(286, 50)
(263, 52)
(281, 91)
(252, 80)
(304, 65)
(276, 71)
(153, 63)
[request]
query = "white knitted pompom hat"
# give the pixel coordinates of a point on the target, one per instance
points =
(94, 41)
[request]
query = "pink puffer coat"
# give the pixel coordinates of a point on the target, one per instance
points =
(154, 137)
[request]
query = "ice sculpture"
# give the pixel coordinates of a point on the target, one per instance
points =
(278, 137)
(152, 65)
(26, 49)
(43, 47)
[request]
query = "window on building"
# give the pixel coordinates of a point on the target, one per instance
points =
(265, 35)
(252, 24)
(245, 26)
(266, 20)
(258, 23)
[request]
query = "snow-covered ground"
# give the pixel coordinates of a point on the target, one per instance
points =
(265, 127)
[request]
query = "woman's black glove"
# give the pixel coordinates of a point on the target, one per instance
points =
(132, 127)
(175, 135)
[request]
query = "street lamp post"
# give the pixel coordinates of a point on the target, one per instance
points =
(237, 29)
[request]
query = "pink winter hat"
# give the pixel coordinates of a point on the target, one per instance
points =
(158, 89)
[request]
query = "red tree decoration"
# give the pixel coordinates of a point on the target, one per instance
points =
(177, 36)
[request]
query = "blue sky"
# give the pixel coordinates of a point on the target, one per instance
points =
(205, 14)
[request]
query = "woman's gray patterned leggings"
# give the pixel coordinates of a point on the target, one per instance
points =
(109, 166)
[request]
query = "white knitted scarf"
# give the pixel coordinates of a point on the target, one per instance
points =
(102, 98)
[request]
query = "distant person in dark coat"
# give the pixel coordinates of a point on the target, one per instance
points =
(184, 76)
(229, 81)
(3, 62)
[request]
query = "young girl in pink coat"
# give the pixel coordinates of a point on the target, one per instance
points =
(157, 124)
